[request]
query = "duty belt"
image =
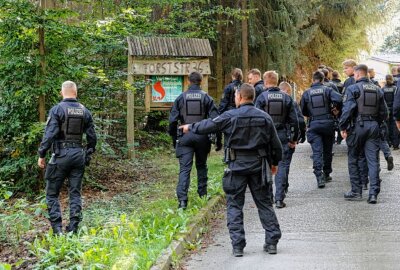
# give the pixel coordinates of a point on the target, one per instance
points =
(70, 145)
(367, 118)
(246, 152)
(322, 117)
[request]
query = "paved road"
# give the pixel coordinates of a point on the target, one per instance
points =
(320, 229)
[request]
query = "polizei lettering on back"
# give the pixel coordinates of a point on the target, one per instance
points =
(275, 96)
(370, 87)
(75, 111)
(193, 96)
(316, 91)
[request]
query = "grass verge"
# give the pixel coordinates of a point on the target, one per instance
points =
(131, 230)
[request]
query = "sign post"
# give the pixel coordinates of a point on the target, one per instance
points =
(166, 63)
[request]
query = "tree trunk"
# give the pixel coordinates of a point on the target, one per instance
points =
(219, 67)
(42, 53)
(245, 41)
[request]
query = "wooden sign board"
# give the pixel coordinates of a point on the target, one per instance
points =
(169, 67)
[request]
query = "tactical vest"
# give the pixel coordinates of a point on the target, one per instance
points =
(275, 106)
(318, 104)
(74, 120)
(193, 106)
(368, 102)
(232, 103)
(243, 128)
(388, 94)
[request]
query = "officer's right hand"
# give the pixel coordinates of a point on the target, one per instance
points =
(398, 125)
(42, 163)
(185, 128)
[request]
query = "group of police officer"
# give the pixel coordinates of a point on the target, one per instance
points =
(262, 125)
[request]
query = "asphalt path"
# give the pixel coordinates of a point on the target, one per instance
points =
(320, 230)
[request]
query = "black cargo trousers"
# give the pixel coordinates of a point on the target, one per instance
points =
(68, 164)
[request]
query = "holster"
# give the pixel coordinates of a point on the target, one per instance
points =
(266, 173)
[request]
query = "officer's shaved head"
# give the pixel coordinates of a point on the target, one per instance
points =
(270, 78)
(318, 76)
(335, 74)
(69, 89)
(362, 69)
(246, 91)
(195, 78)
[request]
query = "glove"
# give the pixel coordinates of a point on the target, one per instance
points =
(218, 143)
(88, 156)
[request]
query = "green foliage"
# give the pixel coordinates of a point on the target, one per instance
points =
(130, 231)
(16, 218)
(392, 43)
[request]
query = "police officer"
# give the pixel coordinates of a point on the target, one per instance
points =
(254, 78)
(398, 78)
(371, 75)
(287, 88)
(327, 82)
(280, 107)
(396, 75)
(389, 131)
(228, 98)
(253, 146)
(66, 124)
(336, 80)
(348, 69)
(316, 104)
(190, 107)
(363, 111)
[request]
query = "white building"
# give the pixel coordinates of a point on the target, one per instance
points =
(382, 63)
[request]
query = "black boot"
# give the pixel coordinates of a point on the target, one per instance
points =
(327, 178)
(72, 226)
(390, 164)
(182, 204)
(321, 181)
(57, 229)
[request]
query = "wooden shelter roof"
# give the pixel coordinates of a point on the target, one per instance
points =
(167, 46)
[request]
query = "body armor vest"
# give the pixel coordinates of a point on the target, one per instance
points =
(368, 102)
(193, 107)
(243, 128)
(388, 94)
(275, 106)
(74, 119)
(318, 104)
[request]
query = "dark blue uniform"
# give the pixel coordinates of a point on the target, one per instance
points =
(316, 104)
(301, 138)
(363, 111)
(259, 87)
(330, 84)
(67, 121)
(253, 142)
(339, 85)
(389, 92)
(280, 107)
(191, 106)
(228, 99)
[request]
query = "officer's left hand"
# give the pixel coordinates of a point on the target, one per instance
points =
(185, 128)
(42, 163)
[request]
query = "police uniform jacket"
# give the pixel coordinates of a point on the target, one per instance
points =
(284, 115)
(338, 84)
(349, 81)
(259, 87)
(331, 85)
(316, 102)
(248, 129)
(55, 120)
(350, 105)
(228, 98)
(177, 110)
